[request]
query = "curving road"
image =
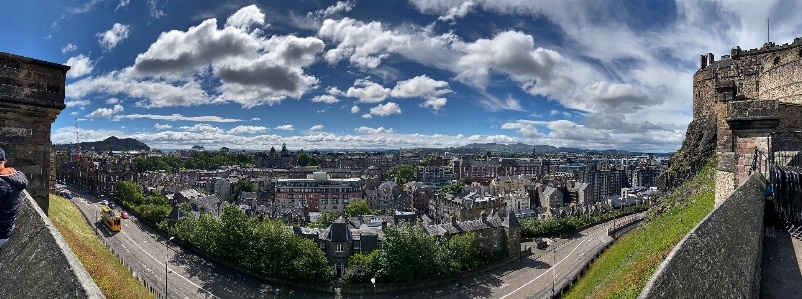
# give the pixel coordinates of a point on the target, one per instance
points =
(143, 251)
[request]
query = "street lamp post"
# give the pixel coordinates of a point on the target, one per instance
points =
(373, 281)
(166, 258)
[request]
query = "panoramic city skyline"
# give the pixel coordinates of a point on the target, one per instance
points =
(364, 74)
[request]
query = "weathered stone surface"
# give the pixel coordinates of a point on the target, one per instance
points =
(36, 262)
(31, 97)
(720, 257)
(699, 145)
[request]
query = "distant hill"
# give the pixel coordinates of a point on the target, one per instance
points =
(520, 148)
(110, 144)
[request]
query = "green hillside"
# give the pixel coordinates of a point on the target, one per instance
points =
(623, 270)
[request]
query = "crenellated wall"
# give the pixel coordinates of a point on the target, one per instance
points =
(31, 97)
(750, 94)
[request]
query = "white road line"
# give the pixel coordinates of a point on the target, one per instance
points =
(160, 263)
(550, 269)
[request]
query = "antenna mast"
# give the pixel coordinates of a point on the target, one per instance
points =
(77, 139)
(768, 30)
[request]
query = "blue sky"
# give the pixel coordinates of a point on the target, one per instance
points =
(606, 74)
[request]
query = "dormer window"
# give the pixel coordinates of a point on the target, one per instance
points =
(339, 247)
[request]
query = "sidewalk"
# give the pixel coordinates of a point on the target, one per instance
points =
(781, 268)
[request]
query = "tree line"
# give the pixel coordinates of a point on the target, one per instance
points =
(197, 160)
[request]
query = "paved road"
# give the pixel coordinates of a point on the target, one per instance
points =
(144, 251)
(529, 277)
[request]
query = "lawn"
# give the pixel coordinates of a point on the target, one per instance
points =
(113, 279)
(623, 270)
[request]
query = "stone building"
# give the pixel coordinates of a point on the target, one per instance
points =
(31, 97)
(753, 95)
(464, 206)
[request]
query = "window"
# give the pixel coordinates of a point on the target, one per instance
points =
(324, 202)
(339, 247)
(757, 85)
(322, 245)
(334, 207)
(345, 196)
(334, 201)
(357, 245)
(323, 196)
(291, 196)
(740, 87)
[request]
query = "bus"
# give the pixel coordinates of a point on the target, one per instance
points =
(112, 220)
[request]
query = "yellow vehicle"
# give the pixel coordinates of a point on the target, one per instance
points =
(112, 220)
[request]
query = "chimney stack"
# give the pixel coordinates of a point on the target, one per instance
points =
(702, 61)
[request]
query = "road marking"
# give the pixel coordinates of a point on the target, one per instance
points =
(160, 263)
(547, 271)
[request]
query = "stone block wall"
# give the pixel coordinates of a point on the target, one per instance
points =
(36, 262)
(721, 256)
(31, 97)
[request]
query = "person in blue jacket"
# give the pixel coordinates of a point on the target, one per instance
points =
(12, 183)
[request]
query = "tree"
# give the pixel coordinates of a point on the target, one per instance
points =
(453, 189)
(304, 159)
(239, 187)
(358, 207)
(401, 173)
(324, 220)
(408, 253)
(129, 193)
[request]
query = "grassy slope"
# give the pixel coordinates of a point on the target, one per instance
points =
(114, 280)
(623, 270)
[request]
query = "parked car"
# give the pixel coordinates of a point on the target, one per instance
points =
(124, 215)
(112, 205)
(104, 202)
(69, 196)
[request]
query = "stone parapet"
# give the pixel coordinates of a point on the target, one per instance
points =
(36, 262)
(721, 256)
(31, 97)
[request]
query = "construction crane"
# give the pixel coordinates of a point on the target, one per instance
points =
(77, 139)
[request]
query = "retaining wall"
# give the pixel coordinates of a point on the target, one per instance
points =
(36, 262)
(720, 257)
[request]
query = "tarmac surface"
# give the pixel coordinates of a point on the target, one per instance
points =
(781, 275)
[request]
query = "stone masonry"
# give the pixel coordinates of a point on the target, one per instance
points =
(31, 97)
(750, 94)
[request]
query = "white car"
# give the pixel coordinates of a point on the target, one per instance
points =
(105, 202)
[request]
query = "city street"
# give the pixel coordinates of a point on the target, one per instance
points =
(144, 251)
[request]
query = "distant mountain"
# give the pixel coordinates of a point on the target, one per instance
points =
(110, 144)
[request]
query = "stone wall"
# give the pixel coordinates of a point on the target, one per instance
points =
(720, 257)
(36, 262)
(31, 97)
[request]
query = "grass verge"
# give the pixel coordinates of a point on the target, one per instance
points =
(623, 270)
(113, 279)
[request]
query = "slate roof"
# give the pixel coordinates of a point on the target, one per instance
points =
(463, 226)
(339, 232)
(369, 242)
(211, 203)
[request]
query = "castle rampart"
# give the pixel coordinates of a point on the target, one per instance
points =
(750, 94)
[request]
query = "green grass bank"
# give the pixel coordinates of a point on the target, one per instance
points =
(623, 270)
(113, 279)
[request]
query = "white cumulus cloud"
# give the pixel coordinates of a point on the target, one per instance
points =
(367, 91)
(378, 130)
(385, 109)
(157, 126)
(68, 48)
(325, 98)
(285, 128)
(247, 129)
(106, 112)
(316, 127)
(79, 66)
(110, 38)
